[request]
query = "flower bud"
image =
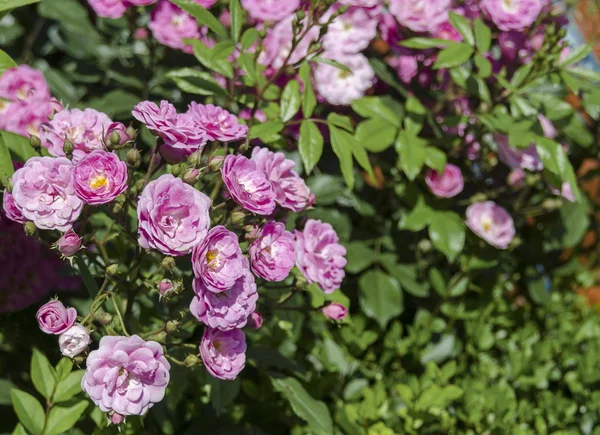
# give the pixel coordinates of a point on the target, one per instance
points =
(255, 321)
(191, 360)
(216, 163)
(177, 170)
(190, 176)
(165, 286)
(171, 326)
(69, 243)
(335, 311)
(131, 132)
(116, 207)
(68, 147)
(168, 263)
(238, 219)
(35, 142)
(113, 269)
(30, 228)
(116, 135)
(7, 183)
(134, 157)
(161, 337)
(115, 417)
(105, 318)
(195, 159)
(74, 341)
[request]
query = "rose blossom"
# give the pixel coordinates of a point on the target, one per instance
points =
(335, 311)
(205, 3)
(54, 318)
(446, 185)
(85, 129)
(100, 177)
(23, 83)
(218, 123)
(361, 3)
(170, 26)
(108, 8)
(512, 14)
(248, 185)
(340, 87)
(115, 417)
(291, 191)
(273, 253)
(173, 216)
(319, 255)
(350, 32)
(270, 10)
(492, 223)
(26, 118)
(69, 243)
(420, 15)
(44, 193)
(255, 321)
(223, 352)
(165, 287)
(524, 158)
(406, 66)
(74, 341)
(218, 261)
(118, 130)
(229, 309)
(516, 178)
(11, 210)
(126, 375)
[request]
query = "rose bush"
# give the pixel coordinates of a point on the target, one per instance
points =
(258, 216)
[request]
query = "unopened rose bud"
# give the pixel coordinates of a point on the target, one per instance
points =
(116, 207)
(168, 263)
(115, 417)
(300, 14)
(132, 133)
(161, 337)
(68, 147)
(165, 286)
(238, 219)
(105, 318)
(191, 360)
(113, 269)
(116, 135)
(74, 341)
(177, 170)
(171, 326)
(255, 321)
(216, 163)
(78, 360)
(7, 183)
(190, 176)
(69, 244)
(335, 311)
(30, 228)
(139, 184)
(35, 142)
(134, 157)
(195, 159)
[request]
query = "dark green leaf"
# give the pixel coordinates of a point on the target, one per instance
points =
(460, 287)
(63, 418)
(5, 387)
(447, 233)
(463, 26)
(411, 150)
(266, 131)
(204, 17)
(435, 159)
(246, 61)
(382, 71)
(237, 19)
(7, 5)
(18, 145)
(420, 42)
(86, 275)
(536, 286)
(520, 75)
(5, 62)
(290, 101)
(343, 151)
(222, 50)
(196, 82)
(310, 145)
(483, 36)
(29, 411)
(437, 281)
(69, 386)
(42, 374)
(115, 103)
(380, 296)
(418, 218)
(332, 62)
(249, 38)
(223, 393)
(309, 101)
(359, 257)
(375, 134)
(406, 276)
(415, 115)
(453, 56)
(381, 108)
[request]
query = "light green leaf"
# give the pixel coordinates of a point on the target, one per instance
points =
(309, 100)
(411, 150)
(382, 71)
(63, 418)
(418, 218)
(42, 374)
(63, 368)
(359, 152)
(18, 145)
(6, 62)
(290, 101)
(249, 38)
(334, 63)
(310, 145)
(7, 5)
(463, 26)
(314, 412)
(204, 55)
(340, 121)
(69, 387)
(435, 159)
(484, 66)
(222, 50)
(420, 42)
(375, 134)
(483, 36)
(19, 430)
(381, 108)
(454, 55)
(204, 17)
(415, 115)
(29, 411)
(380, 296)
(555, 160)
(266, 131)
(343, 151)
(447, 233)
(90, 283)
(237, 19)
(5, 387)
(577, 54)
(520, 75)
(6, 164)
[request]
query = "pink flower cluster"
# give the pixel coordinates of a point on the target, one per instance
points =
(25, 101)
(116, 8)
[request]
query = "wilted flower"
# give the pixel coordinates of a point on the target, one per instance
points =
(100, 177)
(492, 223)
(69, 243)
(446, 185)
(273, 253)
(223, 352)
(54, 318)
(74, 341)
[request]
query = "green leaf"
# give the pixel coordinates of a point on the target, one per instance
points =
(381, 108)
(536, 286)
(520, 75)
(204, 17)
(375, 134)
(18, 145)
(555, 160)
(290, 101)
(6, 164)
(310, 145)
(459, 288)
(204, 55)
(463, 26)
(411, 150)
(420, 42)
(86, 275)
(447, 233)
(29, 411)
(246, 61)
(435, 159)
(577, 54)
(63, 368)
(382, 71)
(483, 36)
(437, 281)
(314, 412)
(340, 121)
(249, 38)
(332, 62)
(478, 87)
(380, 296)
(415, 115)
(19, 430)
(359, 153)
(42, 374)
(237, 19)
(343, 151)
(69, 386)
(484, 66)
(223, 393)
(63, 418)
(6, 62)
(7, 5)
(406, 276)
(5, 387)
(418, 218)
(222, 50)
(309, 101)
(196, 82)
(116, 103)
(453, 56)
(266, 131)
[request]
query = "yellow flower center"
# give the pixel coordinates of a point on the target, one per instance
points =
(486, 223)
(213, 259)
(98, 181)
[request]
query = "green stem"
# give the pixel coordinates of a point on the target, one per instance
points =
(118, 311)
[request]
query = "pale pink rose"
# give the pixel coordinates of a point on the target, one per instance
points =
(54, 318)
(446, 185)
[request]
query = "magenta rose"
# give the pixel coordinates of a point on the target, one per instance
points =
(319, 255)
(26, 118)
(248, 185)
(229, 309)
(218, 123)
(126, 375)
(173, 216)
(273, 253)
(335, 311)
(255, 320)
(270, 10)
(108, 8)
(11, 210)
(118, 130)
(420, 15)
(24, 83)
(291, 192)
(445, 185)
(170, 26)
(218, 261)
(54, 318)
(492, 223)
(44, 193)
(223, 352)
(100, 177)
(69, 243)
(512, 14)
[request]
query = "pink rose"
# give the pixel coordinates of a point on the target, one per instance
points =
(69, 243)
(273, 253)
(445, 185)
(54, 318)
(24, 83)
(170, 26)
(270, 10)
(513, 14)
(11, 210)
(492, 223)
(335, 311)
(339, 87)
(350, 32)
(223, 352)
(108, 8)
(74, 341)
(255, 321)
(218, 123)
(100, 177)
(420, 15)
